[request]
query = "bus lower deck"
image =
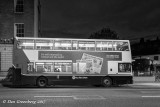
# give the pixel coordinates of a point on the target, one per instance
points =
(15, 78)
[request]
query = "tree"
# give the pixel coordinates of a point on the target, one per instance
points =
(104, 33)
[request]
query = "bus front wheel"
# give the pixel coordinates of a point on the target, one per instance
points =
(41, 82)
(107, 82)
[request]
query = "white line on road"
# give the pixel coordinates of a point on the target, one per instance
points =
(155, 91)
(150, 96)
(89, 97)
(75, 97)
(54, 96)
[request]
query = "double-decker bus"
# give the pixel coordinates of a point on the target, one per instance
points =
(60, 61)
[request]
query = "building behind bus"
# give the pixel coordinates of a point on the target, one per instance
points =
(146, 53)
(19, 18)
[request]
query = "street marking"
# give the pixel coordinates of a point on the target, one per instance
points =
(150, 96)
(88, 97)
(54, 96)
(75, 97)
(156, 91)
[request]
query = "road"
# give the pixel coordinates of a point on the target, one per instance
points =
(123, 96)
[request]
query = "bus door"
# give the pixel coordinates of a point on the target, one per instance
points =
(23, 66)
(112, 67)
(63, 71)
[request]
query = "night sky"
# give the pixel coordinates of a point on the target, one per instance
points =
(79, 18)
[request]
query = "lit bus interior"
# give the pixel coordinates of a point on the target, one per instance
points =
(73, 45)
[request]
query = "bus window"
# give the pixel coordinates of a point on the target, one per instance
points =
(44, 67)
(62, 67)
(40, 67)
(62, 44)
(120, 46)
(44, 44)
(124, 67)
(25, 44)
(115, 46)
(109, 46)
(74, 45)
(125, 46)
(99, 46)
(86, 45)
(104, 46)
(48, 67)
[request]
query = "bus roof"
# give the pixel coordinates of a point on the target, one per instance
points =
(36, 38)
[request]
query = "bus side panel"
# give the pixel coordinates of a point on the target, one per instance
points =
(17, 76)
(64, 80)
(107, 64)
(32, 80)
(28, 80)
(74, 80)
(88, 80)
(75, 57)
(53, 80)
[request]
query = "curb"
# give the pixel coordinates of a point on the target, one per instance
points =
(145, 85)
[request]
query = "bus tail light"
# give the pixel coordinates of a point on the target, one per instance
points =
(124, 67)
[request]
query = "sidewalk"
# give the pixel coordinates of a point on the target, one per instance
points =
(145, 82)
(151, 83)
(145, 85)
(2, 75)
(1, 78)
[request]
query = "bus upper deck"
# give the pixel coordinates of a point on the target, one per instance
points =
(72, 44)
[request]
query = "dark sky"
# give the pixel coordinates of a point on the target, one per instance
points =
(79, 18)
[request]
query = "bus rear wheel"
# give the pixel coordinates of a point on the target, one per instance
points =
(107, 82)
(41, 82)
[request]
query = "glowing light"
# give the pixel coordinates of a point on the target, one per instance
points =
(27, 44)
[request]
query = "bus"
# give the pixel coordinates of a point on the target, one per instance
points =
(64, 61)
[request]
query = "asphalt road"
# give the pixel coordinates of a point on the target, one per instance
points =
(124, 96)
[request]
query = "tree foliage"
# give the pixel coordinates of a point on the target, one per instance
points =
(104, 33)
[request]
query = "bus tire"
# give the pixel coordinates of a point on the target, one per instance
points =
(107, 82)
(42, 82)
